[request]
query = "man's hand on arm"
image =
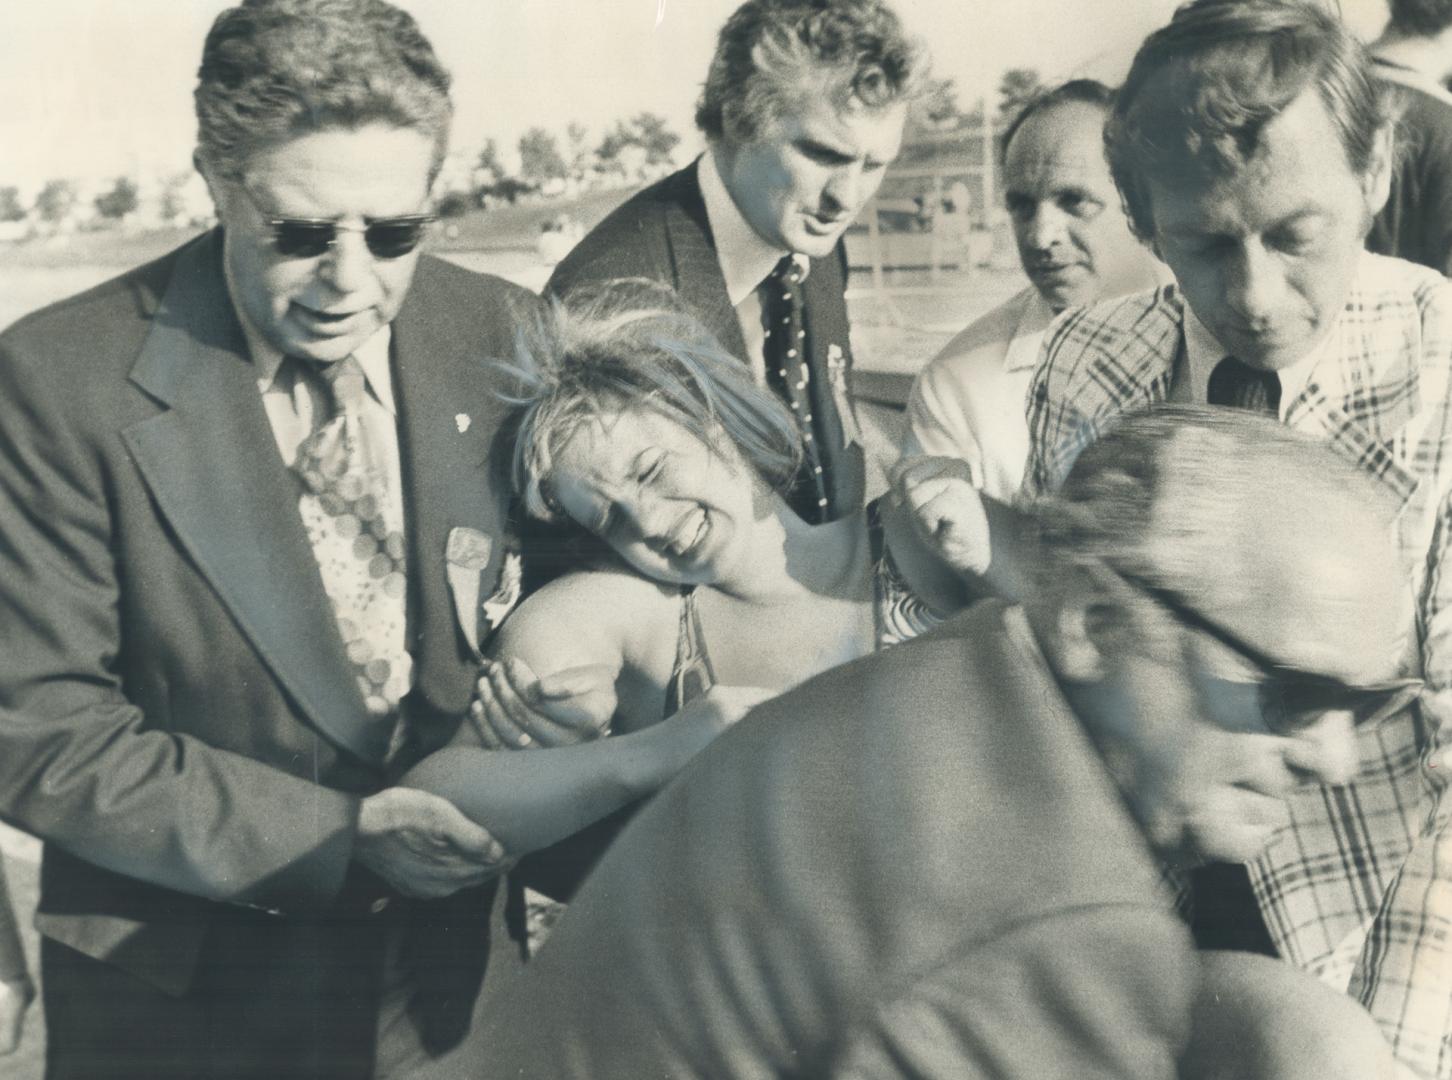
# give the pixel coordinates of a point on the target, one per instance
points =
(423, 845)
(513, 709)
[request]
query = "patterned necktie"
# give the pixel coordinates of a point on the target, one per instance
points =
(784, 349)
(356, 532)
(1243, 387)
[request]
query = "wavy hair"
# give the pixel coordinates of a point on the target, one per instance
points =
(1202, 89)
(625, 345)
(771, 52)
(275, 69)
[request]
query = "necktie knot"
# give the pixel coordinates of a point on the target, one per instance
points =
(1241, 386)
(788, 273)
(343, 385)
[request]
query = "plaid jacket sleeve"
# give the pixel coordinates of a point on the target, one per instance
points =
(1097, 364)
(1404, 973)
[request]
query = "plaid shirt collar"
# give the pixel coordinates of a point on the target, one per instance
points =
(1203, 352)
(1358, 391)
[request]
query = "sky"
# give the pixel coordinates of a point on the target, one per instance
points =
(98, 88)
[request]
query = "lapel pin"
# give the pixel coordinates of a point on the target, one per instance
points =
(462, 421)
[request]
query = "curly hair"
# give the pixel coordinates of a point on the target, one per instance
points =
(771, 52)
(1202, 89)
(630, 344)
(275, 69)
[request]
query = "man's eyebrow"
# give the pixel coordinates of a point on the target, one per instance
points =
(809, 145)
(1192, 232)
(1298, 216)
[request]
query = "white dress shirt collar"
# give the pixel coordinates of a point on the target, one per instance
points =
(744, 256)
(1034, 317)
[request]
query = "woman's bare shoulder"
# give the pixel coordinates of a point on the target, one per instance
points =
(605, 615)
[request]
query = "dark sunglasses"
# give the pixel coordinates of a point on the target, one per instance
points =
(387, 238)
(307, 238)
(1289, 696)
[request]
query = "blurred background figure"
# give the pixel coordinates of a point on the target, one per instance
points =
(1413, 57)
(1076, 248)
(557, 235)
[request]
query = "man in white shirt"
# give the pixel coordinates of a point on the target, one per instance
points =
(1075, 247)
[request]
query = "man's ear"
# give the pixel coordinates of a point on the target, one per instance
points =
(206, 173)
(1376, 181)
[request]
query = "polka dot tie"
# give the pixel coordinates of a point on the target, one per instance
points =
(784, 350)
(357, 535)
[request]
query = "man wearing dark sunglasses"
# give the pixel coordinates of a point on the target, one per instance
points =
(249, 517)
(943, 860)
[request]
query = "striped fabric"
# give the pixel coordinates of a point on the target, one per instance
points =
(1358, 889)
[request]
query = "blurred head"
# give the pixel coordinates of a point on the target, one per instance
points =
(1073, 240)
(321, 126)
(1252, 147)
(1420, 18)
(636, 425)
(804, 107)
(1222, 601)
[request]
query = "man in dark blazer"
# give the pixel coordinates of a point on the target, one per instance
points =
(803, 109)
(939, 861)
(230, 887)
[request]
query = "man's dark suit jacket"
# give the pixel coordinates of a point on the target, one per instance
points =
(178, 719)
(911, 866)
(662, 234)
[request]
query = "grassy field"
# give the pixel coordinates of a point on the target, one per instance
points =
(896, 331)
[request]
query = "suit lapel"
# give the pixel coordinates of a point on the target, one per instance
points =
(697, 270)
(448, 418)
(212, 465)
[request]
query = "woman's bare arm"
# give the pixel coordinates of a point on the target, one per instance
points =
(606, 620)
